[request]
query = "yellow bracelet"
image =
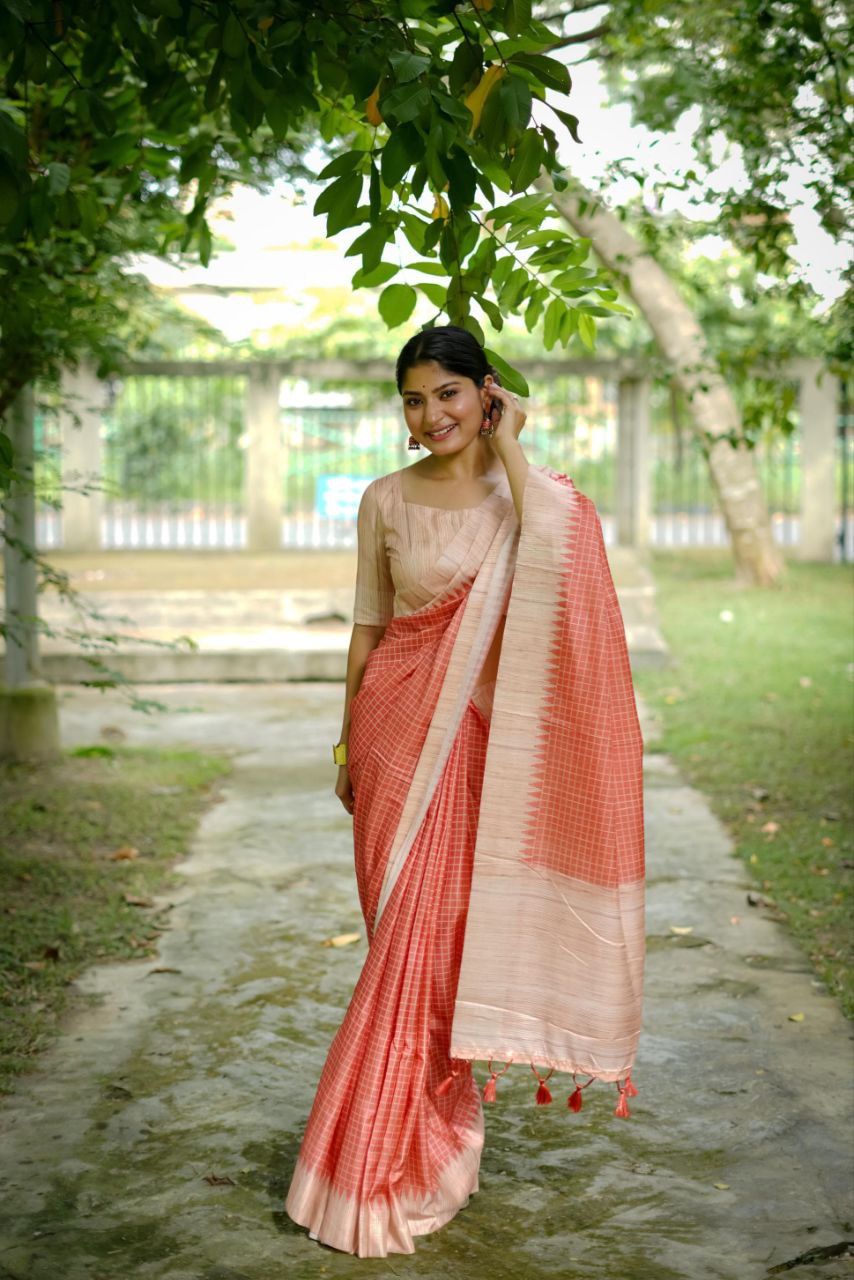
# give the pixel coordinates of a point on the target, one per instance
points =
(339, 753)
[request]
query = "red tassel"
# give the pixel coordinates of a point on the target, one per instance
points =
(622, 1108)
(543, 1094)
(443, 1088)
(574, 1099)
(630, 1088)
(489, 1087)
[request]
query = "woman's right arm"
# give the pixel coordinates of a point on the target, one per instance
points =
(363, 641)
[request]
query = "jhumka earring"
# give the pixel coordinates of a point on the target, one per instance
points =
(413, 443)
(487, 427)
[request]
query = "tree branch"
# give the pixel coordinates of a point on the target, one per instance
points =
(581, 36)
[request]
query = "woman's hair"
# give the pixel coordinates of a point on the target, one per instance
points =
(454, 348)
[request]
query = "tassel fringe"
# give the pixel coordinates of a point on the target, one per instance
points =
(543, 1094)
(574, 1099)
(489, 1087)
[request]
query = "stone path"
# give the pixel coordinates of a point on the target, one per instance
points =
(209, 1068)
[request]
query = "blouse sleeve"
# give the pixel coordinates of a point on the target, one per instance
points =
(374, 600)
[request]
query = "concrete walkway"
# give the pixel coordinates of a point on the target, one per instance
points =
(155, 1140)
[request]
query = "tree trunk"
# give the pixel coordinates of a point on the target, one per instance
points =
(713, 410)
(28, 716)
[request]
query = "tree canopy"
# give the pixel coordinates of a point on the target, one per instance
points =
(120, 123)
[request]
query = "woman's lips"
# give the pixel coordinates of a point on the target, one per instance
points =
(440, 435)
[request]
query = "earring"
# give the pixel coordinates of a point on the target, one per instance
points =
(487, 427)
(413, 443)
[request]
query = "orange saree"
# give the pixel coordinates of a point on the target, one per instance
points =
(499, 863)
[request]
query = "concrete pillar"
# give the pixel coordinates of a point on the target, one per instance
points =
(29, 726)
(818, 403)
(634, 463)
(265, 461)
(82, 459)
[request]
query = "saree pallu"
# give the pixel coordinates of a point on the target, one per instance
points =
(499, 864)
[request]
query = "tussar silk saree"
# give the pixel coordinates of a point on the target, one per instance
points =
(499, 850)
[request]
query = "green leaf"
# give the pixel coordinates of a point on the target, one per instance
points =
(233, 39)
(374, 196)
(13, 140)
(550, 72)
(551, 327)
(568, 326)
(461, 178)
(379, 275)
(587, 330)
(527, 160)
(515, 96)
(491, 311)
(364, 75)
(474, 327)
(437, 293)
(517, 16)
(205, 244)
(345, 163)
(415, 229)
(429, 268)
(403, 149)
(58, 178)
(9, 194)
(344, 191)
(408, 66)
(465, 63)
(535, 309)
(405, 103)
(397, 303)
(370, 244)
(511, 378)
(569, 120)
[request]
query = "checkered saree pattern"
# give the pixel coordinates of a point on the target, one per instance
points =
(506, 931)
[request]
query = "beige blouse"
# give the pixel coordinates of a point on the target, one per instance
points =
(398, 542)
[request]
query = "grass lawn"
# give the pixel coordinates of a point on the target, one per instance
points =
(83, 844)
(757, 713)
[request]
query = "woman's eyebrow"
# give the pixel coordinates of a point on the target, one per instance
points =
(439, 388)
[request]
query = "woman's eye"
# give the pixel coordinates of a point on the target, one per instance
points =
(450, 392)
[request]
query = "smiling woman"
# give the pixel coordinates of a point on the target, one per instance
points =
(491, 759)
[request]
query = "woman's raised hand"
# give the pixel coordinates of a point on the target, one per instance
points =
(512, 419)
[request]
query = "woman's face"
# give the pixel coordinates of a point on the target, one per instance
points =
(443, 410)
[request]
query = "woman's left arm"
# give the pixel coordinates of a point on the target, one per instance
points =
(505, 441)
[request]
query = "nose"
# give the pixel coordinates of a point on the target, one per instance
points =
(434, 413)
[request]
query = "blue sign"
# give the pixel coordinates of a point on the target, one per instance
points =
(338, 497)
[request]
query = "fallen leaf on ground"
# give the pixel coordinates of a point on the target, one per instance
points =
(165, 968)
(827, 842)
(805, 682)
(341, 940)
(770, 828)
(217, 1181)
(34, 964)
(124, 854)
(757, 900)
(134, 900)
(722, 1186)
(681, 928)
(735, 919)
(796, 1017)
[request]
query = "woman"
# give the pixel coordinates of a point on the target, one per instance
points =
(492, 766)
